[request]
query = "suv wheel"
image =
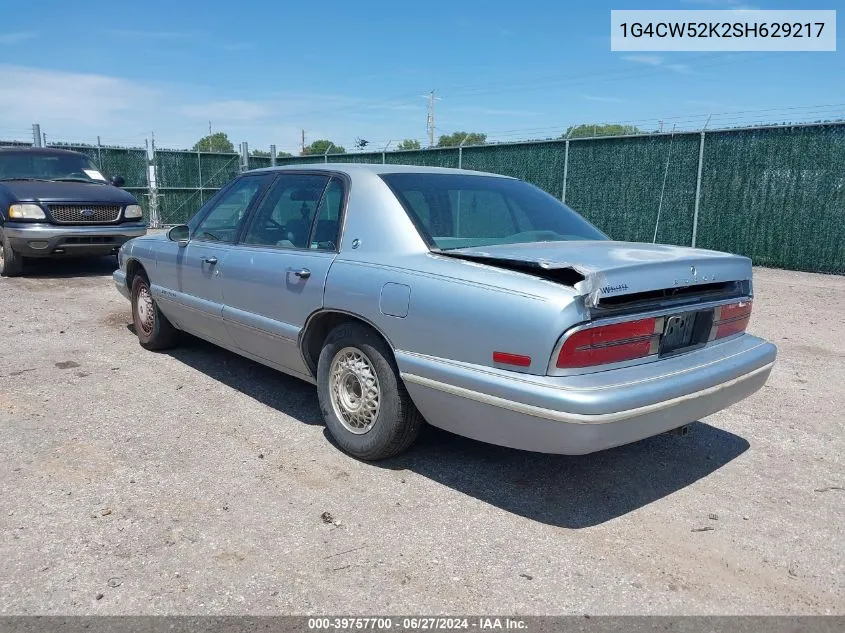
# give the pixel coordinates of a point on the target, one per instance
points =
(11, 263)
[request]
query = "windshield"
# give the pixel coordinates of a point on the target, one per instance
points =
(460, 211)
(48, 166)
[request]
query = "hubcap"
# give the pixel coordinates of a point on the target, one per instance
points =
(145, 310)
(355, 390)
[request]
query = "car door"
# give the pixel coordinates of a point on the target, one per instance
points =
(275, 277)
(193, 298)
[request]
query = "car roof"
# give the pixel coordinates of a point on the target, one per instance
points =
(376, 168)
(23, 149)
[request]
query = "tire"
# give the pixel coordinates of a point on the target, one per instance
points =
(154, 331)
(11, 262)
(365, 405)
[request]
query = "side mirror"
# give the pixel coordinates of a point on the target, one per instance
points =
(117, 181)
(179, 234)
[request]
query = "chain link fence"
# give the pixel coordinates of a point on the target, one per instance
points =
(775, 194)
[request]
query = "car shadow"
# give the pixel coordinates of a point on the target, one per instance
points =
(66, 267)
(562, 490)
(272, 388)
(572, 491)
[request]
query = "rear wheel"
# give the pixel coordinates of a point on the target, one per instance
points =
(364, 403)
(154, 331)
(11, 262)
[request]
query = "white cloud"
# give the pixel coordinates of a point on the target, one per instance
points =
(601, 99)
(229, 111)
(81, 106)
(658, 62)
(8, 39)
(650, 60)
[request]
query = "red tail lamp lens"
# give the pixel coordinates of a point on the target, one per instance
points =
(608, 344)
(732, 319)
(512, 359)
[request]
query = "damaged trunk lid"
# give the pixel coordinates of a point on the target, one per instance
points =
(624, 276)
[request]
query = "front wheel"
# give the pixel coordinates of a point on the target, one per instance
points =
(364, 403)
(154, 331)
(11, 262)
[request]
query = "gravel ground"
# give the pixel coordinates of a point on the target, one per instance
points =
(199, 482)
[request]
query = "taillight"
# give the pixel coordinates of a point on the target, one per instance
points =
(730, 319)
(610, 344)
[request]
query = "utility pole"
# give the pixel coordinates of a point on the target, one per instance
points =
(660, 123)
(209, 128)
(303, 142)
(430, 120)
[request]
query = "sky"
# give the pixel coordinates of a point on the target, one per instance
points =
(264, 71)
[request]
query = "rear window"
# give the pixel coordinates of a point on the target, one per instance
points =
(461, 211)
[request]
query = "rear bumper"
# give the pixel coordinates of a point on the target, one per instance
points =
(51, 240)
(588, 413)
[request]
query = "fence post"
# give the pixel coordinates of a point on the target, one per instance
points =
(272, 155)
(152, 185)
(565, 170)
(36, 135)
(698, 189)
(244, 156)
(199, 171)
(99, 154)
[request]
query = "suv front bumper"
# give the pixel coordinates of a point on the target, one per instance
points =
(52, 240)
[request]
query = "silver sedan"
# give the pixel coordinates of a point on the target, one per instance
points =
(475, 302)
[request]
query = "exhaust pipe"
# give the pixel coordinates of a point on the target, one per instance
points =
(681, 431)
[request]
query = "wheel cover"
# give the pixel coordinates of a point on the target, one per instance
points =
(2, 257)
(145, 310)
(355, 390)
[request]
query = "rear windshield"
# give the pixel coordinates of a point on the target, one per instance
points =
(460, 211)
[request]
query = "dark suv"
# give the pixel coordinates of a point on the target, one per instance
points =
(56, 203)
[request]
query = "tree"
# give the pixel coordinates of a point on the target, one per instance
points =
(283, 154)
(593, 129)
(217, 142)
(409, 143)
(259, 153)
(467, 138)
(320, 146)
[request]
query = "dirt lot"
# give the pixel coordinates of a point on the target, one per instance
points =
(196, 482)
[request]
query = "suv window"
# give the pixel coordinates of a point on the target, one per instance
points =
(223, 222)
(286, 216)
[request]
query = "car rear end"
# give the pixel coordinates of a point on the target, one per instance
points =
(561, 340)
(610, 381)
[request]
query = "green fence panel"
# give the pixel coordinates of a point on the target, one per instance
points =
(195, 169)
(776, 195)
(539, 163)
(177, 206)
(616, 184)
(259, 162)
(445, 157)
(354, 158)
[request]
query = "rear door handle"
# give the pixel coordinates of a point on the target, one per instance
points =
(210, 260)
(302, 273)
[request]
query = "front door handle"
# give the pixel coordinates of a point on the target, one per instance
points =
(303, 273)
(210, 260)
